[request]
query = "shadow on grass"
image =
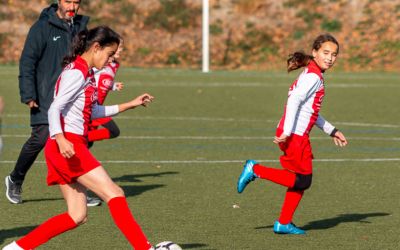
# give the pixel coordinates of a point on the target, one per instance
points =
(43, 199)
(192, 245)
(136, 177)
(333, 222)
(15, 232)
(137, 190)
(341, 218)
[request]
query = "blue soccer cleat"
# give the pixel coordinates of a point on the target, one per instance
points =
(247, 175)
(287, 228)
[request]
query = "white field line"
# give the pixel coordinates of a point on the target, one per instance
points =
(223, 161)
(210, 138)
(255, 84)
(217, 119)
(268, 83)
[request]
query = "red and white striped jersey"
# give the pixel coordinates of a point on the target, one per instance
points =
(75, 101)
(105, 80)
(304, 103)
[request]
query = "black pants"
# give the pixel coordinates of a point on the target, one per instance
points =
(29, 152)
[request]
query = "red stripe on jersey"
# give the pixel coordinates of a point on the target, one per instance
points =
(90, 92)
(312, 67)
(319, 95)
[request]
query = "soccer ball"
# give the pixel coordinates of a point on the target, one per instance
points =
(167, 245)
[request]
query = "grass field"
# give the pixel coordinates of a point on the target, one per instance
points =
(179, 159)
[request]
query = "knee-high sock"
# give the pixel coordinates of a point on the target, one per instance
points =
(98, 134)
(123, 218)
(279, 176)
(292, 200)
(49, 229)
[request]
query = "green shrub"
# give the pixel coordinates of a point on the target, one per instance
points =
(172, 15)
(309, 17)
(216, 29)
(331, 26)
(173, 58)
(143, 51)
(298, 34)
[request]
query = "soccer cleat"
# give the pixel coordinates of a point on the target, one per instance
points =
(92, 201)
(287, 228)
(12, 246)
(247, 175)
(13, 191)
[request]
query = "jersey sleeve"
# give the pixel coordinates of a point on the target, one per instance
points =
(100, 111)
(324, 125)
(307, 85)
(71, 83)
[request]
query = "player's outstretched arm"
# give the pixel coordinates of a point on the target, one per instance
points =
(142, 100)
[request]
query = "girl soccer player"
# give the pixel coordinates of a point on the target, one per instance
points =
(70, 163)
(292, 135)
(105, 82)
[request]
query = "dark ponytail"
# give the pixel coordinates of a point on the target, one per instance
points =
(86, 38)
(77, 47)
(300, 59)
(297, 60)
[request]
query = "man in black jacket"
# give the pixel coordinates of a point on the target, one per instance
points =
(47, 43)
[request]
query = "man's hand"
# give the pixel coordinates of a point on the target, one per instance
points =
(32, 104)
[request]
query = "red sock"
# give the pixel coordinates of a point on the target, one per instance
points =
(49, 229)
(279, 176)
(98, 134)
(292, 200)
(123, 218)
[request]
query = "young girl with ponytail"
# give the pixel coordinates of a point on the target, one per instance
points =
(70, 163)
(292, 135)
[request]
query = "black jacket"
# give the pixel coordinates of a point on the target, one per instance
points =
(46, 45)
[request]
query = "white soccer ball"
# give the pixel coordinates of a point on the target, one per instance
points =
(168, 245)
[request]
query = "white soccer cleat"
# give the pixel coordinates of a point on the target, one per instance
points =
(167, 245)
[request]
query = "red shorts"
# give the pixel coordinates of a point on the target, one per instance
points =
(61, 170)
(297, 154)
(98, 122)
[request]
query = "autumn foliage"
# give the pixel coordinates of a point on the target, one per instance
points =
(245, 34)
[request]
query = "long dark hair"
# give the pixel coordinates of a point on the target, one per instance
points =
(82, 42)
(300, 59)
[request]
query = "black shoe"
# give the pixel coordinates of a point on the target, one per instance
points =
(13, 191)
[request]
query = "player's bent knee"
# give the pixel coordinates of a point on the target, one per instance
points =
(114, 132)
(119, 192)
(302, 182)
(115, 191)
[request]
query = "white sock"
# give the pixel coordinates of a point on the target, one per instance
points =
(13, 246)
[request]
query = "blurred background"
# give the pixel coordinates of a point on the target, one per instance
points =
(244, 34)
